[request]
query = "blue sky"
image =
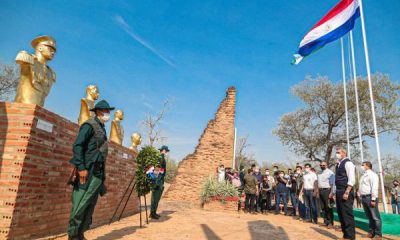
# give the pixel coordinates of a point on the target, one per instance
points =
(142, 52)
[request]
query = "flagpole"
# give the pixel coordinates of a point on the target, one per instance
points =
(353, 62)
(345, 97)
(378, 150)
(234, 150)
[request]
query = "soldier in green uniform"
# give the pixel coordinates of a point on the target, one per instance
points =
(158, 188)
(89, 156)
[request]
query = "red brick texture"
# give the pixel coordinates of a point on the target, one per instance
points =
(34, 168)
(215, 147)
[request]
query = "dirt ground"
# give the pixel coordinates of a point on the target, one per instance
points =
(180, 221)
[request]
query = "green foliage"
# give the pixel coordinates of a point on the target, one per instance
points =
(315, 129)
(213, 188)
(147, 156)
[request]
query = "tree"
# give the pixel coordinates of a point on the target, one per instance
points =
(151, 123)
(319, 126)
(9, 75)
(241, 146)
(172, 169)
(391, 168)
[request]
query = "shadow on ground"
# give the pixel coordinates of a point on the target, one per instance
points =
(165, 216)
(118, 233)
(324, 232)
(262, 229)
(210, 234)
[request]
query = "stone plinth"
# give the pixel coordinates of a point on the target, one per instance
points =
(215, 147)
(35, 147)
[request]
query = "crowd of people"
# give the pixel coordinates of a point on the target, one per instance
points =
(311, 193)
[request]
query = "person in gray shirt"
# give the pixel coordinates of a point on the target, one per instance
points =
(326, 185)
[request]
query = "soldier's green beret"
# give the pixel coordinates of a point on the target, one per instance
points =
(103, 104)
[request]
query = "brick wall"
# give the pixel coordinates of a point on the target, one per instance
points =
(34, 168)
(215, 147)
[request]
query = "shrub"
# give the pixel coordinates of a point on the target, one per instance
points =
(146, 157)
(213, 188)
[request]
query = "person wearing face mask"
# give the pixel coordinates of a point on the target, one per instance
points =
(281, 193)
(270, 192)
(326, 184)
(310, 188)
(344, 182)
(368, 191)
(395, 192)
(89, 157)
(298, 178)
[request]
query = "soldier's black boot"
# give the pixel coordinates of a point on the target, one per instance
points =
(154, 216)
(73, 238)
(157, 215)
(81, 236)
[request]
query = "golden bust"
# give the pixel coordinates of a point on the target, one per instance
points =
(36, 77)
(92, 94)
(117, 131)
(136, 141)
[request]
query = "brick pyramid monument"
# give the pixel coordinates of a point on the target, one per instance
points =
(215, 147)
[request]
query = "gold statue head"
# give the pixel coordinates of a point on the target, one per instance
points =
(45, 48)
(92, 92)
(136, 139)
(119, 115)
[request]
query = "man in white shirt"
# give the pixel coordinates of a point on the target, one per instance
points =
(344, 182)
(310, 189)
(368, 191)
(326, 184)
(221, 173)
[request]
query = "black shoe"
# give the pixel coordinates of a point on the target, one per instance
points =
(73, 238)
(154, 216)
(157, 215)
(81, 236)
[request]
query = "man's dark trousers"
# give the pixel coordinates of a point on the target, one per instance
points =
(375, 223)
(269, 200)
(293, 200)
(345, 213)
(324, 199)
(311, 208)
(250, 202)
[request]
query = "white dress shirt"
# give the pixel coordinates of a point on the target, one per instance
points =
(309, 180)
(326, 179)
(369, 184)
(350, 171)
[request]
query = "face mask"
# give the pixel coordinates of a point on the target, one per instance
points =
(275, 169)
(338, 156)
(105, 117)
(307, 170)
(267, 173)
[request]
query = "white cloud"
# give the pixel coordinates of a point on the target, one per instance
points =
(121, 23)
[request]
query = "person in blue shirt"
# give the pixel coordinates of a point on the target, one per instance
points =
(281, 192)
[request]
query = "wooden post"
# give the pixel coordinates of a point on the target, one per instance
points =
(145, 207)
(140, 210)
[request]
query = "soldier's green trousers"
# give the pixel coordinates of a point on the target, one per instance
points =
(83, 204)
(155, 198)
